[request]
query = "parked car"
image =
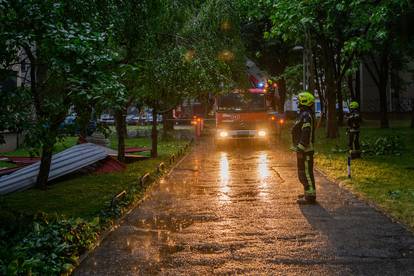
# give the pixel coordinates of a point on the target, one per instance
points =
(132, 119)
(107, 119)
(70, 119)
(149, 117)
(70, 125)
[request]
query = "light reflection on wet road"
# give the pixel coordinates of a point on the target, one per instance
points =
(234, 212)
(224, 178)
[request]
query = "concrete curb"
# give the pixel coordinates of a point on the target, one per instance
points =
(116, 223)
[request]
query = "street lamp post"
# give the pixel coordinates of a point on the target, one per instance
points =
(304, 65)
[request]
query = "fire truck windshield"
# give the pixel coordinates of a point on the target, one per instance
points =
(237, 102)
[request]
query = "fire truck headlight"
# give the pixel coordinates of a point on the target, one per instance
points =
(261, 133)
(223, 134)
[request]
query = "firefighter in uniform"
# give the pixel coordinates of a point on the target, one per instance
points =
(303, 137)
(354, 122)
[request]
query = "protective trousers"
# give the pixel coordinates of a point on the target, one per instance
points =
(305, 173)
(353, 142)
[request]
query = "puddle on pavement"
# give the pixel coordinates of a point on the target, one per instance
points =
(208, 248)
(252, 194)
(168, 249)
(250, 180)
(174, 224)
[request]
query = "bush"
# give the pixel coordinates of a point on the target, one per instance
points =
(50, 247)
(384, 145)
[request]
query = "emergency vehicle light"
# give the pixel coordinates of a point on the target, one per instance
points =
(223, 134)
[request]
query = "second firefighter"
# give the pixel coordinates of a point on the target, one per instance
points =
(354, 122)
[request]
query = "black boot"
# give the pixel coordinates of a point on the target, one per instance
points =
(306, 200)
(355, 154)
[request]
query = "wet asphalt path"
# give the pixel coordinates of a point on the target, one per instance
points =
(234, 212)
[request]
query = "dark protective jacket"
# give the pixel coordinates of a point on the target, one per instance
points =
(303, 131)
(353, 120)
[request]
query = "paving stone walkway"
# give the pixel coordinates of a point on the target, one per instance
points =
(234, 212)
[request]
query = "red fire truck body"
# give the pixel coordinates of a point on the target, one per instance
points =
(245, 115)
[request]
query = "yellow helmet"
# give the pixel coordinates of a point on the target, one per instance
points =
(305, 98)
(354, 105)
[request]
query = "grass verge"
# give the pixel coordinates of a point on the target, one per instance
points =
(45, 232)
(386, 180)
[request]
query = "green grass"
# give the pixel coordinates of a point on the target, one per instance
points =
(85, 196)
(4, 164)
(62, 145)
(137, 127)
(387, 180)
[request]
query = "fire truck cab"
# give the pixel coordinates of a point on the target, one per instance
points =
(244, 115)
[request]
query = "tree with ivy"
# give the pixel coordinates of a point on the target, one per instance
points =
(196, 51)
(273, 54)
(340, 33)
(66, 49)
(384, 48)
(329, 28)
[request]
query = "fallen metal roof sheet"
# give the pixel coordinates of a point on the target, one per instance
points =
(20, 160)
(65, 162)
(4, 171)
(109, 165)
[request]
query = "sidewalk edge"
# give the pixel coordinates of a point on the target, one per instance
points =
(361, 197)
(118, 222)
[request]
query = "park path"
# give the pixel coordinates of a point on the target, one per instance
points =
(234, 212)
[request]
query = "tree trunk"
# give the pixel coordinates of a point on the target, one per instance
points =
(332, 126)
(311, 80)
(44, 169)
(154, 134)
(358, 86)
(121, 132)
(320, 92)
(168, 121)
(84, 119)
(383, 83)
(330, 92)
(340, 103)
(379, 74)
(351, 88)
(412, 113)
(206, 105)
(46, 158)
(322, 119)
(282, 95)
(383, 104)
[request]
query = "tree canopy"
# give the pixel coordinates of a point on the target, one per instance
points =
(95, 55)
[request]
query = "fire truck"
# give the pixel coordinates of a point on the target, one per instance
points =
(246, 115)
